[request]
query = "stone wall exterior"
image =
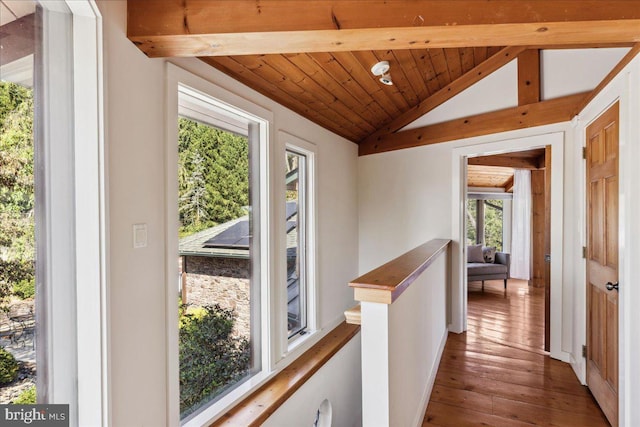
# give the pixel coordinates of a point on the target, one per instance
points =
(223, 281)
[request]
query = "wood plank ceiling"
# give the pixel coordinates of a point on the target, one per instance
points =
(497, 171)
(337, 89)
(315, 57)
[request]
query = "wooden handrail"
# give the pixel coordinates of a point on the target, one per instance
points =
(262, 403)
(387, 282)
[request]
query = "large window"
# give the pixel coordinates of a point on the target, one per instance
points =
(219, 256)
(52, 206)
(242, 215)
(17, 205)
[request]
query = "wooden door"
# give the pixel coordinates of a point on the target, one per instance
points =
(602, 261)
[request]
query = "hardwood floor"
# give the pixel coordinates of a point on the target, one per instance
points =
(498, 374)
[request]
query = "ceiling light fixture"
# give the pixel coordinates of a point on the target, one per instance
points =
(382, 69)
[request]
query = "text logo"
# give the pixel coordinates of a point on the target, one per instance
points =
(34, 415)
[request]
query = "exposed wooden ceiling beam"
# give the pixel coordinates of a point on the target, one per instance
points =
(452, 89)
(545, 35)
(508, 186)
(242, 27)
(505, 161)
(538, 114)
(529, 77)
(245, 16)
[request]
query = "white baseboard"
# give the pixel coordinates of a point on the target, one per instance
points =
(424, 401)
(563, 356)
(579, 369)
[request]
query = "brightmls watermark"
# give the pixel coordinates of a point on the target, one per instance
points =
(34, 415)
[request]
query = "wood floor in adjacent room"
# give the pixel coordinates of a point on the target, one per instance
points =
(497, 374)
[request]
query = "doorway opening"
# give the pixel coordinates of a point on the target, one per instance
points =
(554, 137)
(507, 217)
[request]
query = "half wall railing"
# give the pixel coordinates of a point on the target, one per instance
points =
(403, 318)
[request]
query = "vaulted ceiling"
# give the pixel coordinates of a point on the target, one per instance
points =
(337, 89)
(314, 57)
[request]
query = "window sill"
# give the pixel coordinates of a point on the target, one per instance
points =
(262, 403)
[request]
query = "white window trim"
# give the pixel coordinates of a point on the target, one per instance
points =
(177, 77)
(74, 348)
(277, 352)
(91, 223)
(289, 142)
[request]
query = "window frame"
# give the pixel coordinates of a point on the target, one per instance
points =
(69, 143)
(211, 112)
(479, 196)
(222, 98)
(277, 350)
(294, 144)
(301, 255)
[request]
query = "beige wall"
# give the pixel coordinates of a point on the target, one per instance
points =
(136, 279)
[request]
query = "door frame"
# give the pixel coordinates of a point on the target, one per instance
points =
(554, 136)
(625, 88)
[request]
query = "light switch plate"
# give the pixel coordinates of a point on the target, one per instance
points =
(139, 236)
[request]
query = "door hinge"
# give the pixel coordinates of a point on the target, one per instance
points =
(584, 252)
(584, 351)
(584, 153)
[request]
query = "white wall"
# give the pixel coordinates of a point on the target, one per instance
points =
(404, 200)
(401, 348)
(135, 150)
(569, 71)
(134, 140)
(418, 324)
(335, 382)
(502, 85)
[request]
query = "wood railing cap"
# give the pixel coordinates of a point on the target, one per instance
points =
(385, 283)
(256, 408)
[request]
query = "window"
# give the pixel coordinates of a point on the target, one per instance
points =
(295, 217)
(219, 254)
(485, 222)
(65, 166)
(17, 202)
(242, 277)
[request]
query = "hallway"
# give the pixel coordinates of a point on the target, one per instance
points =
(497, 372)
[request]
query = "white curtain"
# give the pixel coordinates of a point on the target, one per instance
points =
(521, 222)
